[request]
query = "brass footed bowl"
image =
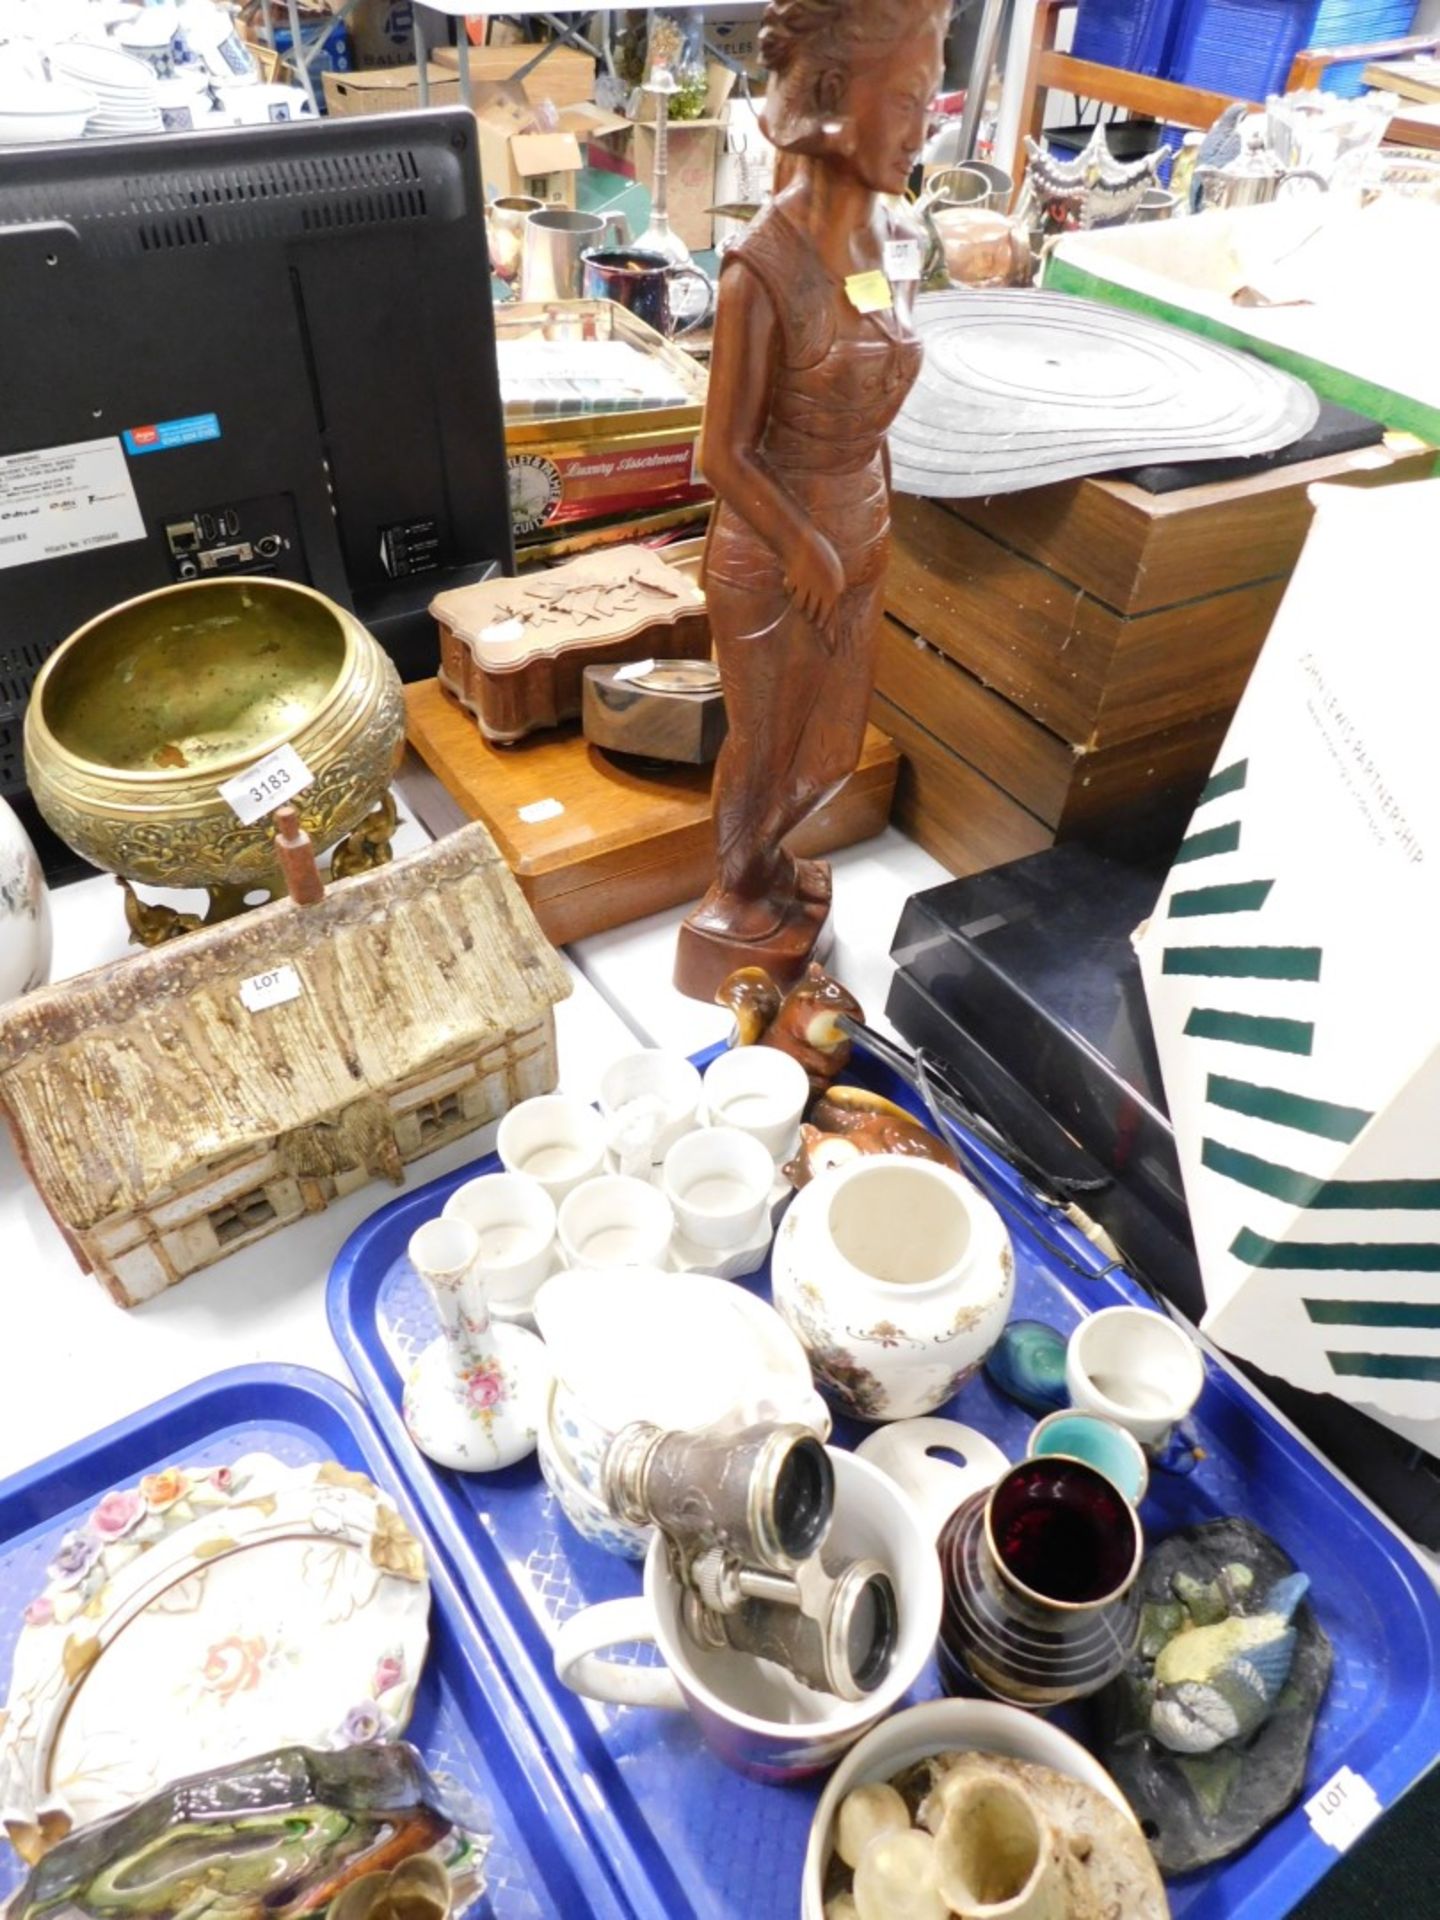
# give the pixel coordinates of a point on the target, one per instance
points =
(139, 718)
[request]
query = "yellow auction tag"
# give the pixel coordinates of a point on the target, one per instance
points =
(869, 292)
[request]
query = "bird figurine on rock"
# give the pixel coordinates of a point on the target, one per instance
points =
(802, 1023)
(1218, 1682)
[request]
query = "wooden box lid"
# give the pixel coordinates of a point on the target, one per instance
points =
(1139, 551)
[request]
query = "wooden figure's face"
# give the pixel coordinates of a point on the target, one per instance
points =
(888, 105)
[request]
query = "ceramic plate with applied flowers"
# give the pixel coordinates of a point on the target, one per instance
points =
(203, 1615)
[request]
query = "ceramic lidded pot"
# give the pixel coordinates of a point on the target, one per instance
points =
(897, 1276)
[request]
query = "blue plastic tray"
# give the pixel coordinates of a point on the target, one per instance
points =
(1246, 47)
(685, 1835)
(1134, 34)
(466, 1720)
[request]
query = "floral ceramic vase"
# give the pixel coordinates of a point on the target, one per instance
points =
(24, 912)
(897, 1275)
(477, 1394)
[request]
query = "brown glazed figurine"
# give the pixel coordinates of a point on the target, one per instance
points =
(802, 1023)
(848, 1121)
(815, 351)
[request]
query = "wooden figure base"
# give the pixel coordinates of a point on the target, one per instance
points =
(596, 843)
(705, 960)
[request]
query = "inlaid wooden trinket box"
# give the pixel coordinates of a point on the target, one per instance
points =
(514, 651)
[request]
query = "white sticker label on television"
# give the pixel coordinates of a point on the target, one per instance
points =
(539, 810)
(271, 989)
(1343, 1808)
(902, 260)
(267, 785)
(58, 501)
(636, 670)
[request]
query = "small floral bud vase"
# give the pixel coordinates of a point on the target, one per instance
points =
(475, 1398)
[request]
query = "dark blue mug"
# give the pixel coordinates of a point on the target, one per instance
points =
(641, 282)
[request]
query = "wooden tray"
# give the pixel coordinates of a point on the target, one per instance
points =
(595, 843)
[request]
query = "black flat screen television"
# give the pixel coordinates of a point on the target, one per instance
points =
(260, 350)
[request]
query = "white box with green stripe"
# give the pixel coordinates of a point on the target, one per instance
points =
(1292, 968)
(1342, 295)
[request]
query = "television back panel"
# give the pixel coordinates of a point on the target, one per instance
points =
(267, 350)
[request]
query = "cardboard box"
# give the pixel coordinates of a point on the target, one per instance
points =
(383, 32)
(737, 39)
(388, 90)
(695, 148)
(515, 160)
(565, 76)
(693, 151)
(1289, 969)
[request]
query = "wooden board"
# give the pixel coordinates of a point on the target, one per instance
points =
(956, 814)
(1137, 552)
(624, 844)
(1070, 789)
(1091, 675)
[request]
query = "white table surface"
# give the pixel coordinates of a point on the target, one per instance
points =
(71, 1361)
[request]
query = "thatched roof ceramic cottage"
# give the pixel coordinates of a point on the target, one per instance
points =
(166, 1124)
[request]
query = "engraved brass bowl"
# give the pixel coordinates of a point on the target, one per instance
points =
(138, 719)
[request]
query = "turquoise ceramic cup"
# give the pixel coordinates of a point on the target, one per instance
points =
(1100, 1443)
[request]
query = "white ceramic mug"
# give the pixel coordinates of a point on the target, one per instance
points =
(515, 1219)
(1137, 1368)
(760, 1090)
(718, 1181)
(650, 1099)
(756, 1716)
(616, 1221)
(555, 1140)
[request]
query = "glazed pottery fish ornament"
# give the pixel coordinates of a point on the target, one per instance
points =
(1218, 1683)
(274, 1837)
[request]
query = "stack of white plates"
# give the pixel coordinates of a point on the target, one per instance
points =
(124, 87)
(36, 110)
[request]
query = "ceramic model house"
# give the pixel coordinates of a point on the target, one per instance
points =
(167, 1125)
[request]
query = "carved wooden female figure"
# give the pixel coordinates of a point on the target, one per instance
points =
(814, 355)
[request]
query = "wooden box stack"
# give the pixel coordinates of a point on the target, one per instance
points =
(1062, 664)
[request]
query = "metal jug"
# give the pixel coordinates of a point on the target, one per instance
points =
(1222, 187)
(556, 240)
